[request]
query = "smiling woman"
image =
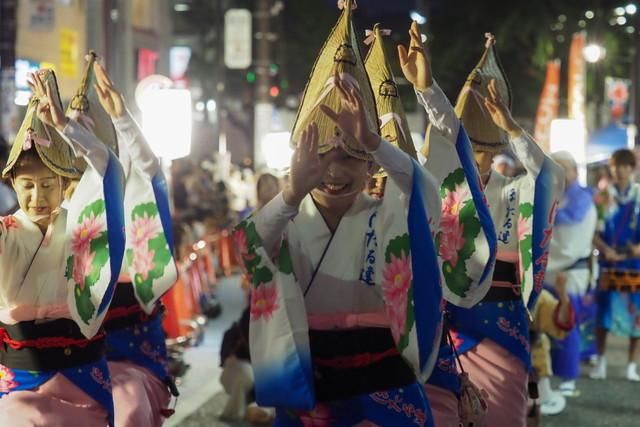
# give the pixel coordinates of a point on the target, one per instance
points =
(39, 190)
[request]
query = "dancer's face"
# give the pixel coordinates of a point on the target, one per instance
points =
(345, 178)
(38, 190)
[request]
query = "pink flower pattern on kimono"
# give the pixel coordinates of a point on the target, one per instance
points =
(451, 242)
(523, 228)
(9, 222)
(89, 229)
(240, 241)
(82, 267)
(452, 204)
(320, 416)
(143, 261)
(98, 376)
(264, 301)
(397, 277)
(142, 230)
(6, 380)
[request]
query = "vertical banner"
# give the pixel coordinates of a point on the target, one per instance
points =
(616, 94)
(69, 52)
(577, 79)
(577, 102)
(548, 106)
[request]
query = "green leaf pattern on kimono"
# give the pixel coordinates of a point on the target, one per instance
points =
(89, 254)
(247, 242)
(149, 253)
(525, 238)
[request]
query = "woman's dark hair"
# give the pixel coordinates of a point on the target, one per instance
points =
(265, 177)
(623, 157)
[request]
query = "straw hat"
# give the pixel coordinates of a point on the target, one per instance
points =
(48, 143)
(340, 54)
(483, 133)
(393, 120)
(85, 107)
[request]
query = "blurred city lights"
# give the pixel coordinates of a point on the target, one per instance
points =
(593, 53)
(181, 7)
(619, 11)
(570, 135)
(630, 29)
(166, 122)
(276, 150)
(419, 18)
(621, 20)
(199, 106)
(22, 97)
(631, 9)
(589, 14)
(211, 105)
(274, 91)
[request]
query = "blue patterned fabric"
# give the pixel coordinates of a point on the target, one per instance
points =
(506, 323)
(445, 373)
(142, 344)
(406, 406)
(92, 378)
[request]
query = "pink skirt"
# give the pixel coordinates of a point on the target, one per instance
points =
(444, 406)
(138, 396)
(56, 403)
(504, 378)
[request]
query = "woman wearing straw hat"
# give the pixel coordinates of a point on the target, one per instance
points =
(59, 264)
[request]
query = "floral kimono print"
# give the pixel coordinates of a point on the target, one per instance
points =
(380, 281)
(69, 273)
(136, 348)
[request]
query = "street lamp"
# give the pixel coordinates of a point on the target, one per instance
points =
(593, 53)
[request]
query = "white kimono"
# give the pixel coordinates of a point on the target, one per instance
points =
(39, 277)
(510, 199)
(569, 244)
(366, 279)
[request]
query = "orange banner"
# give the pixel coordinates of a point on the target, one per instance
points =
(576, 102)
(548, 106)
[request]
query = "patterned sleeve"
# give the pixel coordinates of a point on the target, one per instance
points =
(407, 268)
(149, 241)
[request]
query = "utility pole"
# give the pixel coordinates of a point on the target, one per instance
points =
(8, 109)
(634, 104)
(263, 109)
